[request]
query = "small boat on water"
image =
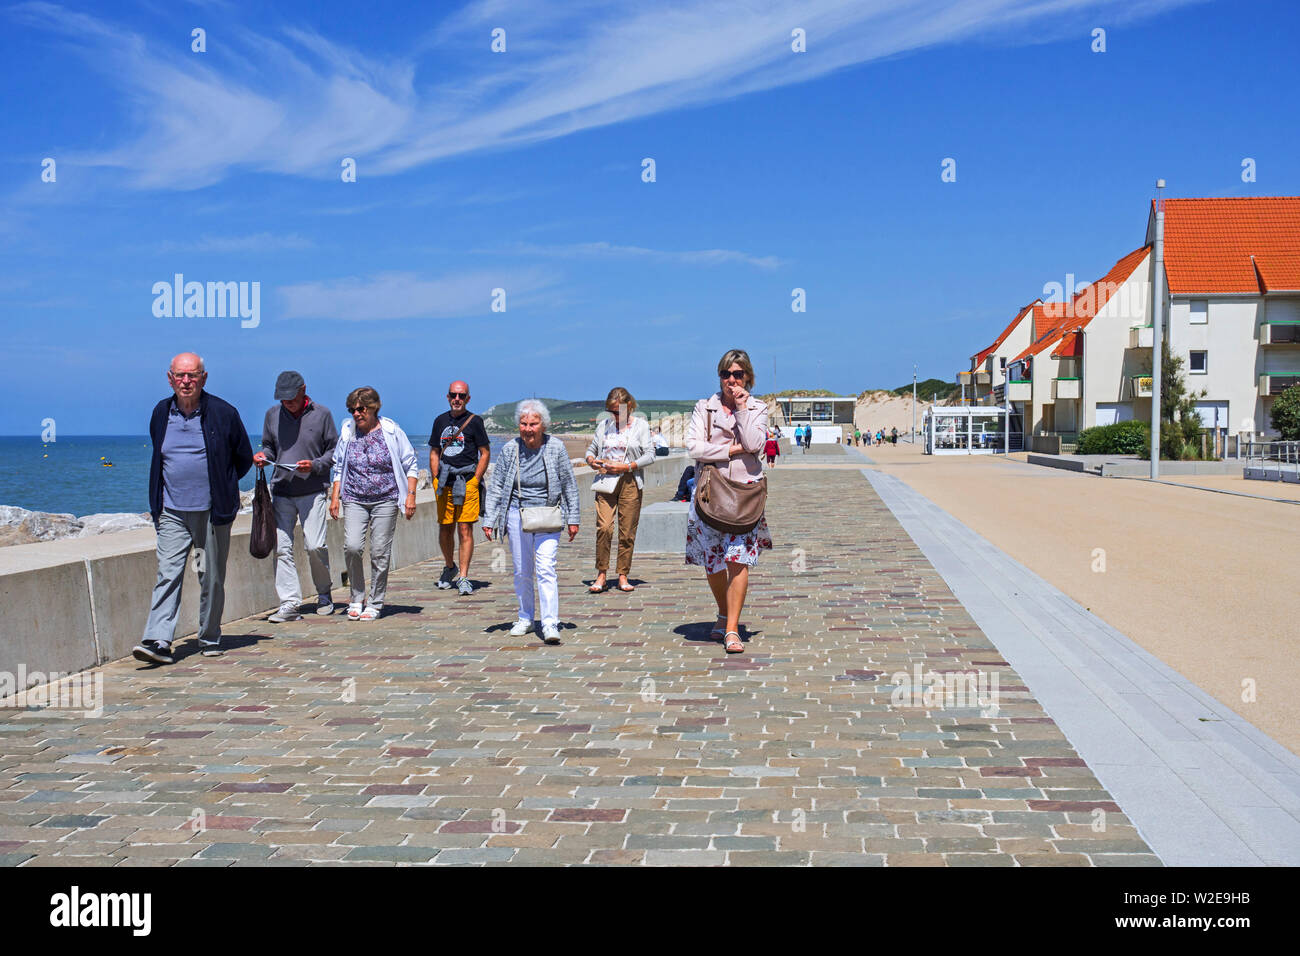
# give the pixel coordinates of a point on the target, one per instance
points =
(105, 462)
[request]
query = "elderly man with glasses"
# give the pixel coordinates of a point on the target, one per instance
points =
(200, 451)
(458, 456)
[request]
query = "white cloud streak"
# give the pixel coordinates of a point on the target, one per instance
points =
(407, 295)
(703, 257)
(297, 103)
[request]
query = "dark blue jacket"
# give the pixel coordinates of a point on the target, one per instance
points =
(228, 450)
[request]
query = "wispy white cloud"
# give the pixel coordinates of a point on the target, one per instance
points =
(407, 295)
(705, 257)
(261, 242)
(569, 66)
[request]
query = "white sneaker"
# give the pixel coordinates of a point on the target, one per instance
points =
(354, 612)
(521, 628)
(550, 634)
(324, 604)
(286, 612)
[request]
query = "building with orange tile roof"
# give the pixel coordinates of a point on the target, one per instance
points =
(1232, 270)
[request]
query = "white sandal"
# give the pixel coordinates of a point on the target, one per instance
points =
(370, 614)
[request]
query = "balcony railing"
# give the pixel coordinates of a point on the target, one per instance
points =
(1141, 386)
(1141, 337)
(1019, 391)
(1279, 333)
(1277, 384)
(1064, 388)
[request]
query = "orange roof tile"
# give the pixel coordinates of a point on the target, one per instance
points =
(1070, 346)
(981, 356)
(1053, 320)
(1209, 244)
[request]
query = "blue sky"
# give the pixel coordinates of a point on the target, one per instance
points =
(522, 170)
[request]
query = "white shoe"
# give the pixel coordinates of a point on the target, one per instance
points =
(550, 634)
(324, 604)
(354, 612)
(521, 628)
(370, 614)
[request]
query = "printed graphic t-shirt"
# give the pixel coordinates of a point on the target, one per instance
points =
(462, 451)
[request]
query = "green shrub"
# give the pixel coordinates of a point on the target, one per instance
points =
(1122, 438)
(1286, 414)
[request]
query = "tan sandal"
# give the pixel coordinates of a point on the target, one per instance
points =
(733, 646)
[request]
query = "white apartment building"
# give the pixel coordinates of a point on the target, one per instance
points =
(1232, 312)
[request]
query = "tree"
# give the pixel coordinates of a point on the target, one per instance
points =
(1180, 423)
(1285, 414)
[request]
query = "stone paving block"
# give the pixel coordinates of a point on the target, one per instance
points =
(790, 755)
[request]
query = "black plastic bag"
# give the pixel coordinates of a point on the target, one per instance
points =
(261, 542)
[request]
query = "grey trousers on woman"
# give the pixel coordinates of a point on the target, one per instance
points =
(380, 519)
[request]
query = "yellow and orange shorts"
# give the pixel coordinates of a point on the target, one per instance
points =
(451, 513)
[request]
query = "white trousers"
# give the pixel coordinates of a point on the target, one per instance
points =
(534, 557)
(312, 511)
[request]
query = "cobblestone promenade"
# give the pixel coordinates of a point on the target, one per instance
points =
(432, 736)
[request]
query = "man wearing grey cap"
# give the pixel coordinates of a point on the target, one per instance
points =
(298, 439)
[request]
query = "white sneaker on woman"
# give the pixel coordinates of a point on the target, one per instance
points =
(550, 634)
(521, 628)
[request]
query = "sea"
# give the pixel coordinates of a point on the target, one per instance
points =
(95, 474)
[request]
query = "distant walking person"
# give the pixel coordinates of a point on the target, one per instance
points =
(374, 465)
(771, 449)
(893, 436)
(458, 456)
(857, 437)
(618, 452)
(200, 451)
(727, 433)
(298, 438)
(533, 485)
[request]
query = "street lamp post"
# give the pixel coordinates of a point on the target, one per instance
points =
(914, 404)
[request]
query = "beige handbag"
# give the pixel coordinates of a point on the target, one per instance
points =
(537, 519)
(732, 507)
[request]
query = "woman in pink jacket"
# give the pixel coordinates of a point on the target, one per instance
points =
(735, 442)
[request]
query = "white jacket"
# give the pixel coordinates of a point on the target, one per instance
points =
(400, 451)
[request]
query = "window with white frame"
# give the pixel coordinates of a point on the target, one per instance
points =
(1200, 311)
(1197, 362)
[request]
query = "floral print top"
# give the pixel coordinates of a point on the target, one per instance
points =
(370, 475)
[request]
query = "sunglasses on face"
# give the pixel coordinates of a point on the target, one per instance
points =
(734, 373)
(359, 408)
(461, 395)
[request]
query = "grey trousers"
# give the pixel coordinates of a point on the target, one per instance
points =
(380, 519)
(178, 532)
(312, 510)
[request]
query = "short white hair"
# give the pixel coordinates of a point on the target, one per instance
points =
(533, 406)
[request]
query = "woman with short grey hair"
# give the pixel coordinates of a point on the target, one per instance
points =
(531, 495)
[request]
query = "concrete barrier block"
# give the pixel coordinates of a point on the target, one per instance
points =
(45, 622)
(662, 529)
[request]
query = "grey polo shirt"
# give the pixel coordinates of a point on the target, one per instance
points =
(185, 463)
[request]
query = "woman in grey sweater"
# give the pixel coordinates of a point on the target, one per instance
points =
(533, 472)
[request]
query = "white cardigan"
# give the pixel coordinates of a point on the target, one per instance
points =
(405, 464)
(640, 448)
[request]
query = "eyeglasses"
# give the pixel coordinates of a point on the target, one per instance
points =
(734, 373)
(187, 375)
(359, 408)
(458, 394)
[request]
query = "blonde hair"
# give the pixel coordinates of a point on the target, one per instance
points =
(737, 357)
(619, 396)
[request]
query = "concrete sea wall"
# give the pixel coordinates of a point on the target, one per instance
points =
(74, 603)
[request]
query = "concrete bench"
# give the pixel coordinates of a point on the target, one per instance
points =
(662, 528)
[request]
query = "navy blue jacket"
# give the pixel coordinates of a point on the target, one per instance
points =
(228, 451)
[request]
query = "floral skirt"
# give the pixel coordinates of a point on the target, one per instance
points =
(714, 550)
